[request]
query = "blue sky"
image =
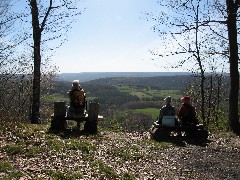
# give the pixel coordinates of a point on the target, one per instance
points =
(114, 36)
(111, 36)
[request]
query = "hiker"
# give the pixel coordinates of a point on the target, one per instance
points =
(167, 110)
(77, 100)
(187, 113)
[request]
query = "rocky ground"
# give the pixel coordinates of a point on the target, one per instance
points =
(32, 152)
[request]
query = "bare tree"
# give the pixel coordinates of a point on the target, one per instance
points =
(5, 25)
(187, 38)
(52, 26)
(228, 10)
(15, 64)
(5, 61)
(214, 46)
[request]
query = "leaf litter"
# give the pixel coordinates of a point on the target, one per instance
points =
(115, 155)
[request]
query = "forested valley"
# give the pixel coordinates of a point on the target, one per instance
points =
(134, 102)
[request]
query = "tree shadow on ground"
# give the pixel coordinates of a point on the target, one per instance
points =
(69, 133)
(197, 141)
(182, 141)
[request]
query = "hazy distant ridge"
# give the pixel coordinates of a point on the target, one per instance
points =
(88, 76)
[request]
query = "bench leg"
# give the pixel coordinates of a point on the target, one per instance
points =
(90, 127)
(78, 125)
(58, 123)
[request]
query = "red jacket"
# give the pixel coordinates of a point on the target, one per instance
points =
(187, 113)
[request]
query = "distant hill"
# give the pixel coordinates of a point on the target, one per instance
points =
(159, 82)
(88, 76)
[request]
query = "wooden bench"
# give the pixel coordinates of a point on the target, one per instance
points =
(91, 117)
(160, 132)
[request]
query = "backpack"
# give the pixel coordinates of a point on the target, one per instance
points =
(77, 98)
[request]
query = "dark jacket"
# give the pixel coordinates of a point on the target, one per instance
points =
(187, 114)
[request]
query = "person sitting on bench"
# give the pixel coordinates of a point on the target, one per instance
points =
(166, 110)
(187, 113)
(77, 100)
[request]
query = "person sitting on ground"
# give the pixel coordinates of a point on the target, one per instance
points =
(77, 100)
(187, 112)
(167, 110)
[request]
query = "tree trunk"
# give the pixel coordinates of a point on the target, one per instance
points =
(202, 74)
(35, 116)
(233, 59)
(216, 111)
(209, 100)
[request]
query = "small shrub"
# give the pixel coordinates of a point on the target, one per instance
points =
(108, 171)
(59, 175)
(127, 176)
(78, 175)
(33, 151)
(125, 154)
(85, 147)
(27, 130)
(12, 149)
(155, 145)
(5, 166)
(162, 144)
(55, 144)
(110, 124)
(16, 175)
(120, 152)
(135, 147)
(56, 174)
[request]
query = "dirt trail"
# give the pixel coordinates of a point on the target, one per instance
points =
(218, 158)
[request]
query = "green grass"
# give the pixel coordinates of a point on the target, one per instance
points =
(154, 112)
(127, 176)
(120, 152)
(84, 146)
(59, 175)
(141, 95)
(175, 94)
(109, 171)
(149, 93)
(12, 149)
(56, 144)
(16, 175)
(34, 151)
(126, 153)
(124, 89)
(54, 97)
(155, 145)
(5, 166)
(105, 169)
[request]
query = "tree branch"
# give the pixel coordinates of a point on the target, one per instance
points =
(46, 16)
(217, 33)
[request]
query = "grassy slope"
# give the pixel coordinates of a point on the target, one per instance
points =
(154, 112)
(31, 152)
(149, 93)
